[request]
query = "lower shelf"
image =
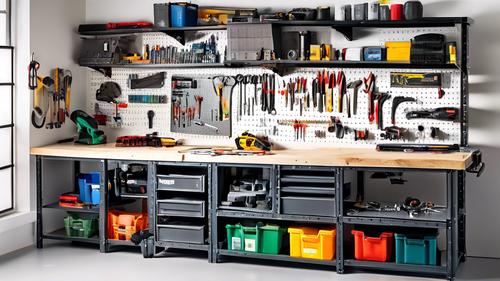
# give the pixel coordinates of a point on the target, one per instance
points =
(122, 242)
(430, 269)
(182, 245)
(236, 214)
(275, 257)
(60, 234)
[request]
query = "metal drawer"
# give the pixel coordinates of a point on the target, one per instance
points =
(188, 183)
(309, 206)
(183, 233)
(180, 207)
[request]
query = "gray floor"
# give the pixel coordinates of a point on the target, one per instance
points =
(67, 261)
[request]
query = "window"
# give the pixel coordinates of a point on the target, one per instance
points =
(6, 111)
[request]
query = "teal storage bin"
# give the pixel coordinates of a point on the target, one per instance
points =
(416, 251)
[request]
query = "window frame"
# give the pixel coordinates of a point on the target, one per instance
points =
(10, 125)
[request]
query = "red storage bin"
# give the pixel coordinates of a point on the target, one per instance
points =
(372, 248)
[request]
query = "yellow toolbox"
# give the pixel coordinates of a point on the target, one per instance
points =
(312, 243)
(398, 51)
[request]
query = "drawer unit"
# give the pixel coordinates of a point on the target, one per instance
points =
(309, 206)
(182, 207)
(181, 232)
(187, 183)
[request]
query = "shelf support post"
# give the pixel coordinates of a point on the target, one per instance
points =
(103, 208)
(39, 203)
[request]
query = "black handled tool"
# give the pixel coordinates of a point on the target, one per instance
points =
(264, 92)
(151, 114)
(442, 113)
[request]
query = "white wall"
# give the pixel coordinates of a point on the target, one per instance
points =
(483, 225)
(48, 28)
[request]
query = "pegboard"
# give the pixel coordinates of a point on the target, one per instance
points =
(258, 122)
(427, 98)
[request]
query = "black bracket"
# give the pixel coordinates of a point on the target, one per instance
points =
(477, 166)
(178, 35)
(105, 70)
(346, 31)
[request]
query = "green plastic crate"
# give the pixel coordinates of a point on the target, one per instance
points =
(258, 239)
(416, 251)
(272, 239)
(242, 238)
(78, 227)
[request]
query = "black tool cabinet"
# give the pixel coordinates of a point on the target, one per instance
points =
(292, 187)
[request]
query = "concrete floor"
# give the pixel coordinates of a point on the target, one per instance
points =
(66, 261)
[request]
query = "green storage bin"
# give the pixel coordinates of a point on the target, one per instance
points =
(243, 238)
(272, 239)
(79, 227)
(258, 239)
(416, 251)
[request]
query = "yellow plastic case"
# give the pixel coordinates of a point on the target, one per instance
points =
(312, 243)
(398, 51)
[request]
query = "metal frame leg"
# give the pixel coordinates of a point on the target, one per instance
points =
(152, 206)
(451, 225)
(39, 203)
(211, 232)
(339, 182)
(103, 208)
(213, 213)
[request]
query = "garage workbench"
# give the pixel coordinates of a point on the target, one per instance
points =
(334, 161)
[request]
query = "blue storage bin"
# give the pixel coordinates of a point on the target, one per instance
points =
(183, 14)
(85, 182)
(416, 251)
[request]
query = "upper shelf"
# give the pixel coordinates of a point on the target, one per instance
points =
(279, 65)
(423, 22)
(167, 30)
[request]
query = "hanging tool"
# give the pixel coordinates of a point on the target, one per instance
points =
(292, 94)
(151, 114)
(198, 99)
(314, 87)
(41, 94)
(272, 88)
(68, 78)
(379, 104)
(239, 79)
(440, 93)
(224, 111)
(352, 97)
(255, 81)
(369, 84)
(393, 133)
(201, 123)
(320, 92)
(395, 103)
(247, 79)
(341, 90)
(264, 92)
(329, 94)
(442, 113)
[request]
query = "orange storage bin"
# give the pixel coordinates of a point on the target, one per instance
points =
(312, 243)
(121, 225)
(372, 248)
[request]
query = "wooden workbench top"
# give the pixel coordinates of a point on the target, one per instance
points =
(347, 157)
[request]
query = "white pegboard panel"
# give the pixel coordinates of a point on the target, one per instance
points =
(427, 98)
